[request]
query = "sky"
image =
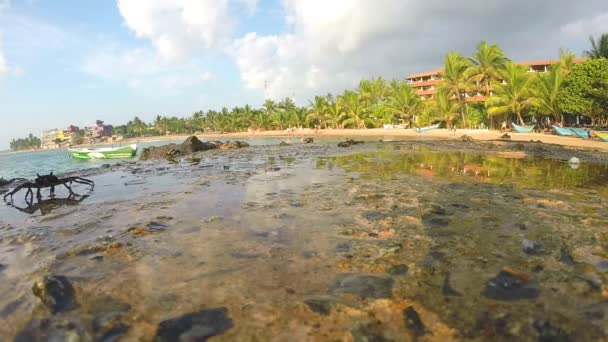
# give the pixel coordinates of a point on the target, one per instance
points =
(68, 62)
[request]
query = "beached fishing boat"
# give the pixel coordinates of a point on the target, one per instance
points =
(426, 129)
(104, 152)
(581, 132)
(564, 131)
(522, 129)
(602, 135)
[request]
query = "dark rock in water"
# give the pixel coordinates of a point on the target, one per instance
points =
(447, 289)
(189, 146)
(362, 285)
(434, 217)
(344, 247)
(602, 265)
(413, 321)
(283, 143)
(308, 140)
(192, 144)
(369, 333)
(53, 329)
(320, 305)
(349, 143)
(170, 151)
(433, 259)
(548, 333)
(56, 292)
(155, 226)
(436, 222)
(532, 247)
(109, 327)
(396, 270)
(2, 267)
(309, 254)
(510, 286)
(10, 308)
(233, 145)
(565, 257)
(196, 326)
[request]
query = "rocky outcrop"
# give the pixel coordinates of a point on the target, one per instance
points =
(56, 292)
(196, 326)
(189, 146)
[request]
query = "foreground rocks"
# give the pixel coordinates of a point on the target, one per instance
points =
(189, 146)
(56, 292)
(196, 326)
(54, 329)
(362, 285)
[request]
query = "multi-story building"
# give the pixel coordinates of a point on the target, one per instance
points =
(99, 131)
(426, 83)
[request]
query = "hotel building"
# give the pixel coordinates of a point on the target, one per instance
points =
(426, 83)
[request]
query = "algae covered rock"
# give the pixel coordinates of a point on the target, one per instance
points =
(56, 292)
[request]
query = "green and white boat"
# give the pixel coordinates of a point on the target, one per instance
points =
(104, 152)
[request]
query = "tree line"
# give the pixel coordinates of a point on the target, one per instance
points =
(28, 143)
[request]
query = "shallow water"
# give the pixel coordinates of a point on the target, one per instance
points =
(264, 231)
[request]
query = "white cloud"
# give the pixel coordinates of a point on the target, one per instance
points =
(597, 24)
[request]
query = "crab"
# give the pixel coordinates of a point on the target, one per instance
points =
(48, 181)
(5, 182)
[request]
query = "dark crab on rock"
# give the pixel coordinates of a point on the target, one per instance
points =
(48, 181)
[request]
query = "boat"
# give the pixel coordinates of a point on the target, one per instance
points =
(127, 151)
(564, 130)
(581, 132)
(522, 129)
(426, 129)
(602, 135)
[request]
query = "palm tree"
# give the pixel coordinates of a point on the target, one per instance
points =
(488, 61)
(443, 108)
(318, 111)
(335, 112)
(599, 48)
(546, 91)
(353, 110)
(404, 102)
(513, 97)
(455, 76)
(566, 60)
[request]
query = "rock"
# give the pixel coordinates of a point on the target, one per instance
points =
(196, 326)
(548, 333)
(505, 136)
(308, 140)
(283, 143)
(320, 305)
(565, 257)
(597, 311)
(344, 247)
(434, 217)
(466, 138)
(594, 280)
(2, 267)
(109, 327)
(56, 292)
(413, 321)
(172, 151)
(362, 285)
(192, 144)
(233, 145)
(349, 143)
(369, 333)
(532, 247)
(397, 270)
(508, 285)
(54, 329)
(519, 147)
(447, 289)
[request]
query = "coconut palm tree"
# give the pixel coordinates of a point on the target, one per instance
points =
(488, 61)
(546, 91)
(456, 79)
(335, 112)
(444, 108)
(566, 60)
(354, 114)
(404, 102)
(318, 111)
(599, 48)
(514, 97)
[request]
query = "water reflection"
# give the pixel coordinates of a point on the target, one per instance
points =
(520, 172)
(49, 205)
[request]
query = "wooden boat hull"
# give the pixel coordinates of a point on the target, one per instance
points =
(522, 129)
(581, 132)
(565, 131)
(602, 135)
(128, 151)
(426, 129)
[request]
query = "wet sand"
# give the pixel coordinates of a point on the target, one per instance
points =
(394, 241)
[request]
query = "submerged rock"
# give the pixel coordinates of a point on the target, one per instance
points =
(369, 333)
(532, 247)
(509, 285)
(308, 140)
(344, 247)
(109, 327)
(56, 292)
(413, 321)
(362, 285)
(435, 217)
(233, 145)
(397, 270)
(349, 143)
(549, 333)
(565, 257)
(447, 289)
(54, 329)
(320, 305)
(196, 326)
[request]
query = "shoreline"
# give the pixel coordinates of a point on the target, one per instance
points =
(396, 134)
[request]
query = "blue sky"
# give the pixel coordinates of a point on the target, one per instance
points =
(71, 61)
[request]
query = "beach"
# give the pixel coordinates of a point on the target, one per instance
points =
(405, 238)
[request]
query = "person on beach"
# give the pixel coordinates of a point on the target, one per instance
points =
(503, 127)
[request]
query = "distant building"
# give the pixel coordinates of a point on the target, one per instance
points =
(99, 131)
(52, 138)
(426, 83)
